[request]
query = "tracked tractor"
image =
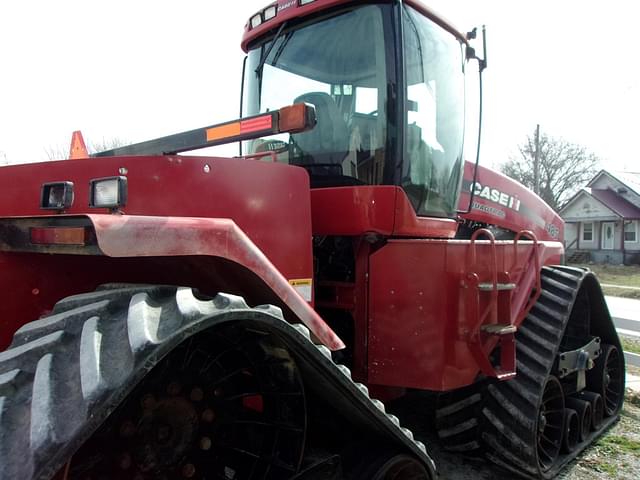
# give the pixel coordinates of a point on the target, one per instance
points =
(167, 316)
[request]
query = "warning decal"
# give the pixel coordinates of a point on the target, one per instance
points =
(303, 287)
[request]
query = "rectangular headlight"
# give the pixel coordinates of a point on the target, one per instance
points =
(108, 192)
(56, 196)
(270, 12)
(256, 20)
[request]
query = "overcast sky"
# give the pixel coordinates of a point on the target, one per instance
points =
(140, 69)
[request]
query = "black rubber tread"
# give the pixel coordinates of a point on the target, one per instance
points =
(456, 419)
(505, 429)
(64, 374)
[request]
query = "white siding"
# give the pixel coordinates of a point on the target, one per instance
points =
(585, 207)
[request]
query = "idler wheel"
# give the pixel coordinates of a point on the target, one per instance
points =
(607, 379)
(550, 423)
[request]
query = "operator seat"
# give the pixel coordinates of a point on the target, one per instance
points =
(328, 141)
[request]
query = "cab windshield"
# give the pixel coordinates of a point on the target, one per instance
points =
(338, 66)
(345, 65)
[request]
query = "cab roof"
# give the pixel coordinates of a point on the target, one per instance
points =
(291, 9)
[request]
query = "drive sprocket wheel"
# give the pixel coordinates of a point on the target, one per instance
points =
(224, 405)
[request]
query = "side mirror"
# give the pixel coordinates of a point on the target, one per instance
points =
(471, 52)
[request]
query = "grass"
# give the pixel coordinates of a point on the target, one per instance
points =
(619, 275)
(612, 444)
(630, 344)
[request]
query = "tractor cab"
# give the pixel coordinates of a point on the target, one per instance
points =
(387, 83)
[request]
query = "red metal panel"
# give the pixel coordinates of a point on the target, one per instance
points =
(379, 209)
(353, 210)
(419, 321)
(407, 224)
(257, 195)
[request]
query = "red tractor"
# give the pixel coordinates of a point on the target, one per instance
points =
(167, 316)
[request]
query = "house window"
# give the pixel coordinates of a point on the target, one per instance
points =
(587, 232)
(630, 231)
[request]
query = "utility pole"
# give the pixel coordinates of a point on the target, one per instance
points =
(536, 163)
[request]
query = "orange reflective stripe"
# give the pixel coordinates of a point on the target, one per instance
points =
(223, 131)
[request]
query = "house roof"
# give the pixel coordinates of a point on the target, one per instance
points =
(616, 203)
(630, 179)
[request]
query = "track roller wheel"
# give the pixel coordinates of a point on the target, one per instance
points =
(228, 404)
(571, 430)
(597, 407)
(607, 379)
(550, 423)
(583, 410)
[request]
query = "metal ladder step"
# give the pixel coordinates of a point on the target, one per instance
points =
(499, 329)
(488, 287)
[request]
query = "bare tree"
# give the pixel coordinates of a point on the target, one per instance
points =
(563, 167)
(61, 152)
(57, 152)
(106, 144)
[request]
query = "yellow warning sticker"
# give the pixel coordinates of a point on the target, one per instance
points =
(303, 286)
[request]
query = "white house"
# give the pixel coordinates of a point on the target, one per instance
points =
(602, 220)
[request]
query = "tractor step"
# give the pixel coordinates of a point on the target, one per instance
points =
(489, 287)
(499, 329)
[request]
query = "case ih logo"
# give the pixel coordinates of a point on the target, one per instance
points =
(496, 196)
(286, 5)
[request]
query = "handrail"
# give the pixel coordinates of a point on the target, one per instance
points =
(575, 240)
(535, 253)
(494, 272)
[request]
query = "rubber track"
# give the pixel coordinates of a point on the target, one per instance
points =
(64, 374)
(500, 417)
